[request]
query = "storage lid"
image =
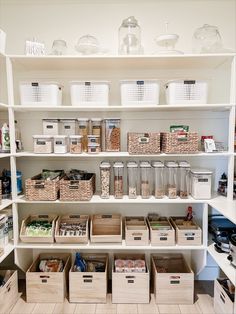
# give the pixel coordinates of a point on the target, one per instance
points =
(132, 164)
(201, 171)
(92, 136)
(60, 136)
(68, 120)
(75, 136)
(36, 83)
(171, 164)
(158, 164)
(88, 82)
(93, 145)
(96, 120)
(185, 81)
(51, 120)
(118, 164)
(105, 164)
(112, 119)
(83, 119)
(184, 164)
(42, 136)
(145, 164)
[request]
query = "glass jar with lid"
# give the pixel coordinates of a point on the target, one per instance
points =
(207, 39)
(59, 47)
(118, 179)
(83, 127)
(105, 177)
(145, 174)
(159, 188)
(132, 175)
(130, 37)
(184, 179)
(171, 179)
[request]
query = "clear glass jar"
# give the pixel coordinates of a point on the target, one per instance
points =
(83, 130)
(172, 167)
(132, 171)
(159, 188)
(146, 185)
(75, 144)
(207, 39)
(118, 179)
(105, 177)
(112, 135)
(184, 179)
(59, 47)
(130, 37)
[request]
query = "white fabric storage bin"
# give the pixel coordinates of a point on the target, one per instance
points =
(60, 144)
(139, 92)
(186, 92)
(69, 127)
(93, 93)
(51, 126)
(40, 93)
(43, 144)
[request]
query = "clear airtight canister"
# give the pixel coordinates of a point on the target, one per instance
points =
(105, 177)
(83, 130)
(159, 187)
(96, 128)
(132, 171)
(184, 179)
(145, 171)
(118, 179)
(171, 179)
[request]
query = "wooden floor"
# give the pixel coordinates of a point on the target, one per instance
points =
(203, 304)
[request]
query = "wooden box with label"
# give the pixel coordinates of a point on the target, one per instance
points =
(136, 231)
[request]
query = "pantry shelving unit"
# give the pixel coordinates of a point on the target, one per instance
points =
(217, 118)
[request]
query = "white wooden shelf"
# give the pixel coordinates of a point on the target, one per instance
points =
(3, 107)
(4, 155)
(223, 262)
(225, 207)
(200, 107)
(5, 203)
(7, 250)
(105, 246)
(118, 62)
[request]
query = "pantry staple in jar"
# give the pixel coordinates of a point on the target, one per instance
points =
(159, 188)
(172, 167)
(184, 176)
(75, 144)
(118, 179)
(93, 139)
(132, 170)
(145, 170)
(43, 144)
(105, 176)
(94, 148)
(83, 130)
(60, 144)
(112, 135)
(96, 127)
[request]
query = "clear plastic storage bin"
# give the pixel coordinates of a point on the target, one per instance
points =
(93, 93)
(41, 94)
(75, 144)
(118, 179)
(201, 184)
(132, 172)
(96, 127)
(60, 144)
(94, 148)
(172, 167)
(69, 127)
(140, 92)
(83, 126)
(146, 184)
(159, 185)
(51, 126)
(184, 176)
(43, 144)
(112, 135)
(105, 177)
(186, 92)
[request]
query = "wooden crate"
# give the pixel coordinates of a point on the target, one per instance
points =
(176, 285)
(136, 231)
(222, 302)
(130, 287)
(186, 234)
(106, 228)
(31, 239)
(71, 219)
(89, 287)
(162, 232)
(77, 190)
(45, 287)
(9, 292)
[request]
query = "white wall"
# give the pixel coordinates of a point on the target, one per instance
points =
(51, 19)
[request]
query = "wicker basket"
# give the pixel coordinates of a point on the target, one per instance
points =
(144, 143)
(37, 189)
(179, 142)
(77, 190)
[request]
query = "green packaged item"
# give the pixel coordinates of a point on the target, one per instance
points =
(179, 128)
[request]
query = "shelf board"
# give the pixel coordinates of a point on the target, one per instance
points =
(119, 62)
(184, 107)
(4, 155)
(96, 199)
(104, 246)
(7, 250)
(224, 264)
(5, 203)
(118, 155)
(225, 207)
(3, 107)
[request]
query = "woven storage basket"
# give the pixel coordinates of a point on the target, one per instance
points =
(144, 143)
(179, 142)
(37, 189)
(77, 190)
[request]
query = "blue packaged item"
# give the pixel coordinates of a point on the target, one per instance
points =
(80, 264)
(19, 180)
